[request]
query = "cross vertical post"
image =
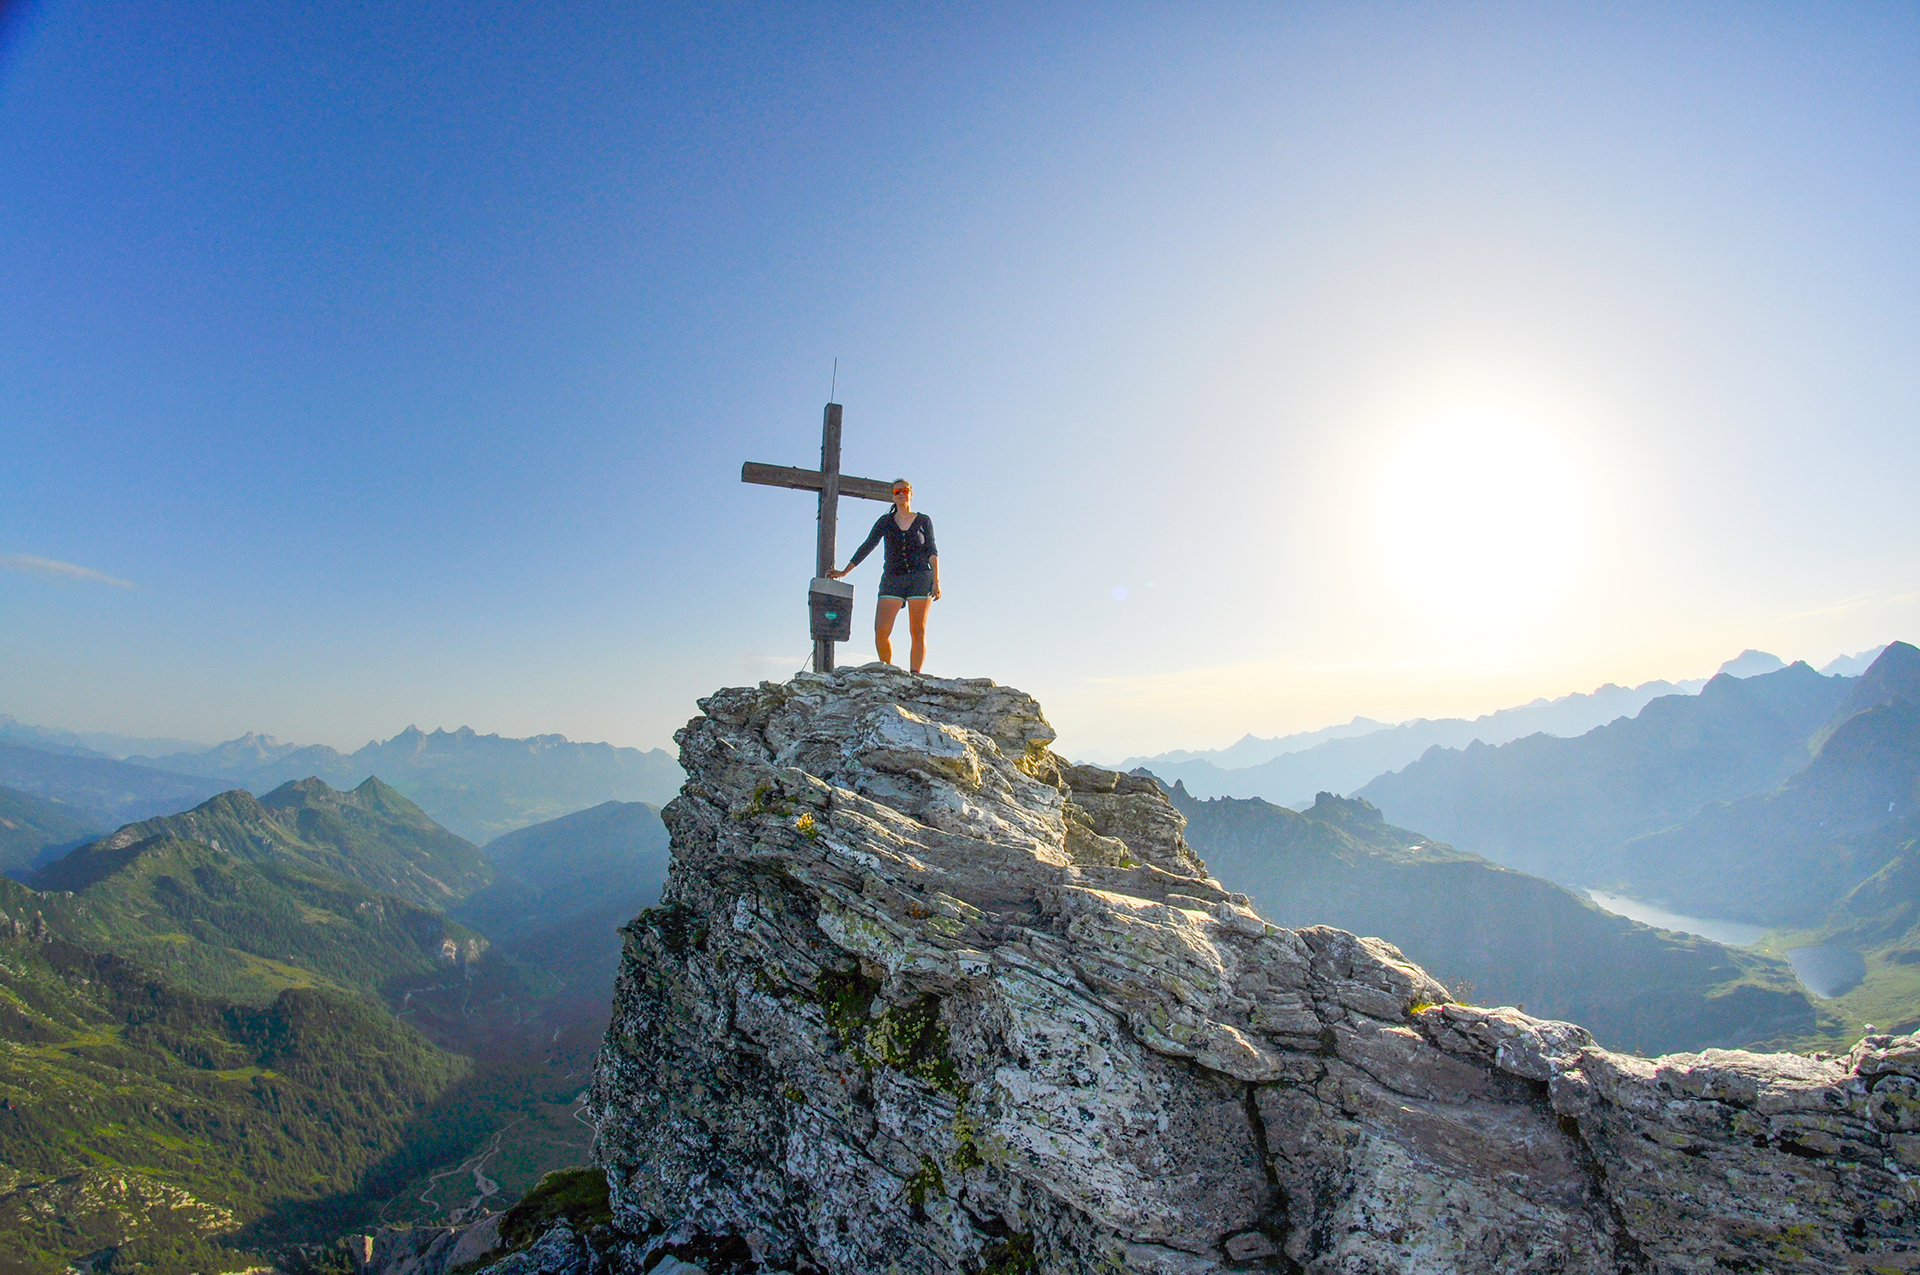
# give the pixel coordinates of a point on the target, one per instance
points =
(829, 517)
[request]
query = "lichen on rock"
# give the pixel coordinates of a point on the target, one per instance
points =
(922, 997)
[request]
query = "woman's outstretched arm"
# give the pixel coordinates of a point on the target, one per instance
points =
(873, 538)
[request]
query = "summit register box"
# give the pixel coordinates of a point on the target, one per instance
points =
(830, 608)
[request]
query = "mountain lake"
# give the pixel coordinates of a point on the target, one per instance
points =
(1732, 933)
(1827, 970)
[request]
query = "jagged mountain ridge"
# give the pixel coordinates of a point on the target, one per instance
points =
(477, 785)
(924, 998)
(1785, 857)
(1346, 761)
(1636, 988)
(1559, 807)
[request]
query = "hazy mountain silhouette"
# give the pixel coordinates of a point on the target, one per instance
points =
(1562, 807)
(1852, 665)
(97, 789)
(1787, 856)
(90, 743)
(477, 785)
(1252, 750)
(1341, 757)
(1752, 663)
(614, 854)
(562, 890)
(1339, 765)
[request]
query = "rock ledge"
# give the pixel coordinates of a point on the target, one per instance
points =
(922, 997)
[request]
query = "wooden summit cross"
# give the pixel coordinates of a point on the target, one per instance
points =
(831, 484)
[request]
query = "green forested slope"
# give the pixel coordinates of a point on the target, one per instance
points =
(612, 854)
(1516, 938)
(217, 924)
(371, 835)
(140, 1117)
(206, 1039)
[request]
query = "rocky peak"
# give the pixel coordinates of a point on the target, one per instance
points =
(923, 997)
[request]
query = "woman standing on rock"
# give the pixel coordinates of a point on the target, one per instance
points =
(911, 577)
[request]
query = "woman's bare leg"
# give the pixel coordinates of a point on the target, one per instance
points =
(917, 625)
(883, 628)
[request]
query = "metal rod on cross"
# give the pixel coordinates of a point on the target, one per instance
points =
(831, 484)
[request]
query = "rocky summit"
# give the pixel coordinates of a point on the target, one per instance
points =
(923, 997)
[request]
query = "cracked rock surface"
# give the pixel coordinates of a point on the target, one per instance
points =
(922, 997)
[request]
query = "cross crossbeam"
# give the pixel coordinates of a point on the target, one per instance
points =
(831, 484)
(812, 480)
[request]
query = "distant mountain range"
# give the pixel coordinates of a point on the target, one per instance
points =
(1340, 863)
(1291, 769)
(98, 790)
(1343, 761)
(480, 786)
(1558, 807)
(90, 743)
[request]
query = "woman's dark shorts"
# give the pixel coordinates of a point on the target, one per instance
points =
(907, 585)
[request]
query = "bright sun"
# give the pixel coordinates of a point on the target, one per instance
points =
(1479, 514)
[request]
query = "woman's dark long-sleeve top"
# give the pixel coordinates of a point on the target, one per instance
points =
(907, 551)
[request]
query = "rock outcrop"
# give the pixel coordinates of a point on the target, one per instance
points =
(922, 997)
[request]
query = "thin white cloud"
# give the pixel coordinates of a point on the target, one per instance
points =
(1854, 603)
(63, 570)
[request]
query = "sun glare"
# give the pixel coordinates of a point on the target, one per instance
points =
(1478, 514)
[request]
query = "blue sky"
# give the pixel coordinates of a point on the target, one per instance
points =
(1259, 365)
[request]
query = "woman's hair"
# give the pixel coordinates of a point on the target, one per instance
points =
(899, 482)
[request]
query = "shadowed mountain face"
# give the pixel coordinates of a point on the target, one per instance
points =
(34, 830)
(372, 835)
(1517, 939)
(1786, 857)
(480, 786)
(563, 888)
(1560, 807)
(108, 793)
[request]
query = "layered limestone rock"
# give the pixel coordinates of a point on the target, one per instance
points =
(922, 997)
